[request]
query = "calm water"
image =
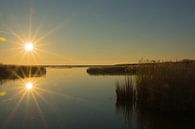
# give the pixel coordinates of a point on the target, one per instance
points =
(72, 99)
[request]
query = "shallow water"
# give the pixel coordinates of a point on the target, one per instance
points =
(72, 99)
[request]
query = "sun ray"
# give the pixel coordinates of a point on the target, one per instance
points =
(38, 28)
(40, 111)
(14, 33)
(30, 26)
(50, 53)
(59, 94)
(18, 76)
(29, 53)
(49, 32)
(20, 31)
(51, 107)
(11, 115)
(14, 96)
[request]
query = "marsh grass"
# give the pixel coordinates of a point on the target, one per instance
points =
(126, 97)
(125, 91)
(162, 87)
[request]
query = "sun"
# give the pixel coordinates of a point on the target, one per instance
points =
(28, 46)
(29, 85)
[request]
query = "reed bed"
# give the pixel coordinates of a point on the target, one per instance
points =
(162, 87)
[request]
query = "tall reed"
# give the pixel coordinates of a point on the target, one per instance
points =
(164, 87)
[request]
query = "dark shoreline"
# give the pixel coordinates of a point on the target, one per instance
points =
(131, 69)
(22, 71)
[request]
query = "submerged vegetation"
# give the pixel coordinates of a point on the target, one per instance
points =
(162, 87)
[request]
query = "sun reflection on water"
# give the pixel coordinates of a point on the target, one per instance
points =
(33, 95)
(29, 86)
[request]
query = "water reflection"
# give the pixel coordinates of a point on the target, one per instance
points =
(146, 119)
(29, 85)
(70, 98)
(36, 102)
(29, 102)
(2, 93)
(20, 72)
(23, 97)
(21, 94)
(138, 117)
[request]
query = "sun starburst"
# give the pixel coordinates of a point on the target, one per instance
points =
(29, 46)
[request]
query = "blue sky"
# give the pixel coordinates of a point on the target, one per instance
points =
(101, 31)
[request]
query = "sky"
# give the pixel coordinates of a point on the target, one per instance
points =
(96, 31)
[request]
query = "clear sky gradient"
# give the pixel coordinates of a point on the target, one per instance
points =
(97, 31)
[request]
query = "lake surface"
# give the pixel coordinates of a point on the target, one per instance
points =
(72, 99)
